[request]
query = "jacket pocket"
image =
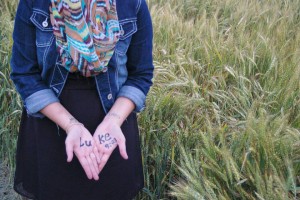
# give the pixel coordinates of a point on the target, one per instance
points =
(44, 30)
(128, 28)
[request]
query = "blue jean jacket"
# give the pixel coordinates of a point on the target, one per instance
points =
(39, 76)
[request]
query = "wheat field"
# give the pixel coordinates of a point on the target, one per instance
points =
(223, 116)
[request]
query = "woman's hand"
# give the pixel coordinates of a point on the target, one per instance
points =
(107, 137)
(80, 141)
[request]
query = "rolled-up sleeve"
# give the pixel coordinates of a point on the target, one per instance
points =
(25, 72)
(140, 60)
(134, 94)
(39, 100)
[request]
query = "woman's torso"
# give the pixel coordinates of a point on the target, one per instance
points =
(55, 75)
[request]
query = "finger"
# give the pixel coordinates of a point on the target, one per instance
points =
(122, 147)
(101, 156)
(92, 166)
(103, 162)
(95, 162)
(85, 165)
(97, 154)
(69, 150)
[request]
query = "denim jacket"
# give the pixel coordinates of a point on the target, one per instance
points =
(39, 76)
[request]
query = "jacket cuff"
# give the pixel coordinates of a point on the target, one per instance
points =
(135, 95)
(38, 100)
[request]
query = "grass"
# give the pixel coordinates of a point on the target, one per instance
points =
(222, 119)
(10, 106)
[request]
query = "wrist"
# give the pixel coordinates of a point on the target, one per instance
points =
(69, 128)
(113, 118)
(71, 124)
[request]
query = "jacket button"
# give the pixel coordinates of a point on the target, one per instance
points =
(109, 97)
(45, 24)
(104, 69)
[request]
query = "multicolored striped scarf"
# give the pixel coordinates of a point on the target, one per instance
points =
(86, 33)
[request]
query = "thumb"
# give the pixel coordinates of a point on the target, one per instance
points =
(122, 148)
(69, 150)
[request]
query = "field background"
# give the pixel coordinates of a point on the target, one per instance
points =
(223, 117)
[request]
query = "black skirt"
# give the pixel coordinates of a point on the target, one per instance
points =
(42, 171)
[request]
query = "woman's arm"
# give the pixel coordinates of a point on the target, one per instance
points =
(59, 115)
(140, 60)
(25, 71)
(36, 95)
(133, 93)
(79, 139)
(109, 135)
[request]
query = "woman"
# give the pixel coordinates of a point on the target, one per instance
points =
(83, 69)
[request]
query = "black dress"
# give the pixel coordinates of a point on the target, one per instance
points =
(42, 170)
